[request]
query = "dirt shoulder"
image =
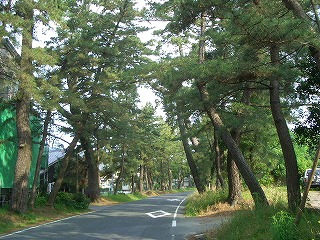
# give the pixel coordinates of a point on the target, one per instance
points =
(313, 200)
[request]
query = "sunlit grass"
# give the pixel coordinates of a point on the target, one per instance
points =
(199, 203)
(248, 222)
(125, 197)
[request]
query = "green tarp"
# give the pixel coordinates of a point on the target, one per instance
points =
(9, 147)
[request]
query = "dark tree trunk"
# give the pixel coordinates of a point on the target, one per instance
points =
(62, 169)
(219, 182)
(141, 179)
(19, 197)
(39, 160)
(292, 174)
(193, 168)
(256, 191)
(234, 179)
(169, 179)
(93, 188)
(123, 158)
(132, 184)
(150, 180)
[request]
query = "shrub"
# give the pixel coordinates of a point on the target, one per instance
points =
(283, 227)
(81, 201)
(41, 201)
(75, 201)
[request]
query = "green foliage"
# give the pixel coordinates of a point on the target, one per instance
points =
(308, 128)
(198, 203)
(41, 201)
(272, 222)
(5, 222)
(283, 227)
(74, 201)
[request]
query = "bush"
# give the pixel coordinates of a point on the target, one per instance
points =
(76, 201)
(283, 227)
(41, 201)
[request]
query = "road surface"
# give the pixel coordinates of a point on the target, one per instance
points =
(158, 217)
(313, 200)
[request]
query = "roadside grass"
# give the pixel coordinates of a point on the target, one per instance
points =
(121, 198)
(273, 222)
(12, 221)
(198, 204)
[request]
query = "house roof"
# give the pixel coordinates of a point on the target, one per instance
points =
(55, 154)
(10, 48)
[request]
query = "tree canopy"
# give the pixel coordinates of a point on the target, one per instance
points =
(244, 72)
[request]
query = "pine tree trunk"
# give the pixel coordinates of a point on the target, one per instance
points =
(193, 168)
(39, 159)
(234, 179)
(141, 179)
(121, 168)
(256, 191)
(62, 169)
(292, 174)
(219, 182)
(150, 180)
(19, 197)
(93, 188)
(169, 179)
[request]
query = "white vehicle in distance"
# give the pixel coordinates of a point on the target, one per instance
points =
(316, 178)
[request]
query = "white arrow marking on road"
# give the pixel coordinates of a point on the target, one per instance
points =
(158, 214)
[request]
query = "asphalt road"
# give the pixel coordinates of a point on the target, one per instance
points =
(158, 217)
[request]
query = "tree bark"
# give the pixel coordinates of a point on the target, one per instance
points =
(63, 167)
(295, 7)
(193, 168)
(256, 191)
(234, 179)
(141, 179)
(169, 179)
(39, 159)
(93, 188)
(219, 182)
(292, 174)
(19, 197)
(123, 158)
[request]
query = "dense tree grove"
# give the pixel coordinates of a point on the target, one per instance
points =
(238, 82)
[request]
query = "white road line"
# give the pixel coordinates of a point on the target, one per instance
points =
(174, 222)
(48, 223)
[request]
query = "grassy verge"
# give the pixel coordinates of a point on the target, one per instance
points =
(11, 221)
(120, 198)
(274, 222)
(198, 204)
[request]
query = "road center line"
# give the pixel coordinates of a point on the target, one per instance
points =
(174, 222)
